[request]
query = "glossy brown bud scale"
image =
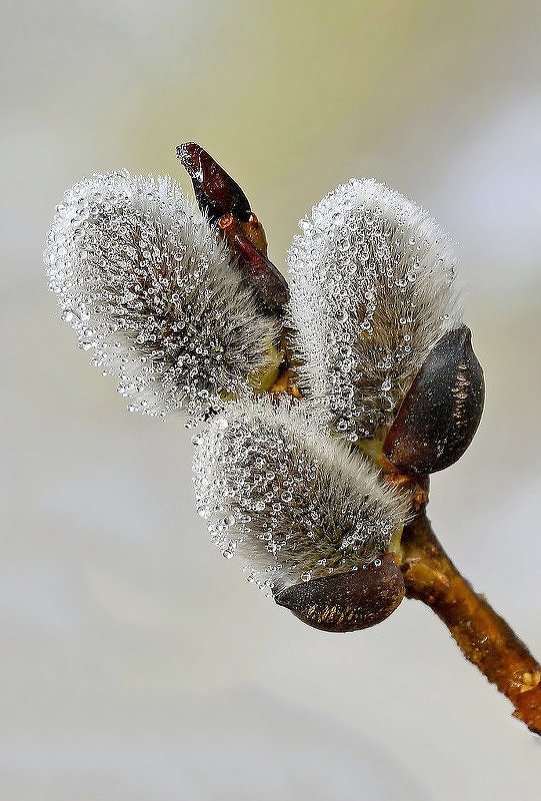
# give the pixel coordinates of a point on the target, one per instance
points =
(442, 410)
(222, 199)
(347, 601)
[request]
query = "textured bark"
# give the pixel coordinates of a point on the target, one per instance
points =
(482, 635)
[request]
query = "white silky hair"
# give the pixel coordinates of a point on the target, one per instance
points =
(293, 502)
(150, 289)
(373, 288)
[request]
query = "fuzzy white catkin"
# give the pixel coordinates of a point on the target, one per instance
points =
(292, 501)
(149, 289)
(373, 288)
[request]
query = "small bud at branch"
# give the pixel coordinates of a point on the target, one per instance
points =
(224, 202)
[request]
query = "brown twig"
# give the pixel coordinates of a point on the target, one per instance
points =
(430, 576)
(482, 635)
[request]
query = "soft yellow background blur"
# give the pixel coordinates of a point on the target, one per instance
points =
(136, 663)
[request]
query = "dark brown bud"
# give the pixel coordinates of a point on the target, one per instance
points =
(215, 191)
(268, 281)
(347, 601)
(223, 200)
(441, 412)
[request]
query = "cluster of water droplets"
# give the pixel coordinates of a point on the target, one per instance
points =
(373, 288)
(293, 502)
(149, 290)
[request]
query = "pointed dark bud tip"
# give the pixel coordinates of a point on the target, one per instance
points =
(347, 601)
(442, 410)
(215, 191)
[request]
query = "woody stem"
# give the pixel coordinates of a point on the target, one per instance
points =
(482, 635)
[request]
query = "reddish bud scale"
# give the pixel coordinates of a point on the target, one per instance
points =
(222, 199)
(261, 273)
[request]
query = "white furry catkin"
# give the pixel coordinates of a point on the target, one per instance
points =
(147, 285)
(295, 503)
(373, 288)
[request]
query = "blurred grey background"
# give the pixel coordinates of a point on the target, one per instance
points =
(136, 663)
